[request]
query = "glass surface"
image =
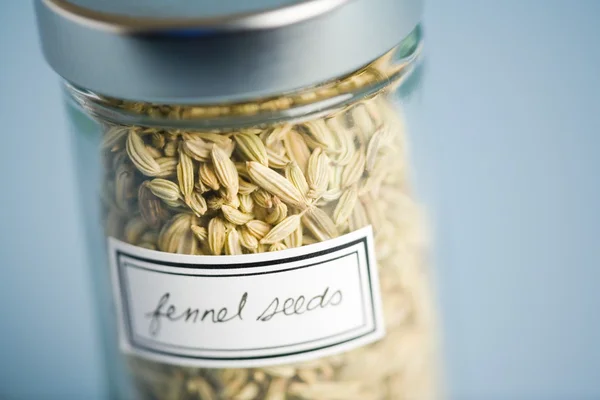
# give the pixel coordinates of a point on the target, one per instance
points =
(195, 180)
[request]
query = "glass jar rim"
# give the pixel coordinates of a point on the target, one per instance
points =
(392, 69)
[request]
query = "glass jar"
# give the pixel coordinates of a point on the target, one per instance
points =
(258, 235)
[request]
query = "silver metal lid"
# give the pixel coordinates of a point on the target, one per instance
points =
(200, 51)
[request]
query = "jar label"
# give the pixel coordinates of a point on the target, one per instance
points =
(248, 310)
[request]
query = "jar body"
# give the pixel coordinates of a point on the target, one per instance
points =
(300, 170)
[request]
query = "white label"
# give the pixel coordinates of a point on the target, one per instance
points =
(248, 310)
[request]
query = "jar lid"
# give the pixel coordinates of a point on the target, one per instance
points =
(203, 51)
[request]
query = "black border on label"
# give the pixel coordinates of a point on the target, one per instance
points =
(123, 289)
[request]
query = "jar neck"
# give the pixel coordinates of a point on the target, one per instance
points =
(385, 73)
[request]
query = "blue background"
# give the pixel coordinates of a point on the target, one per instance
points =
(507, 161)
